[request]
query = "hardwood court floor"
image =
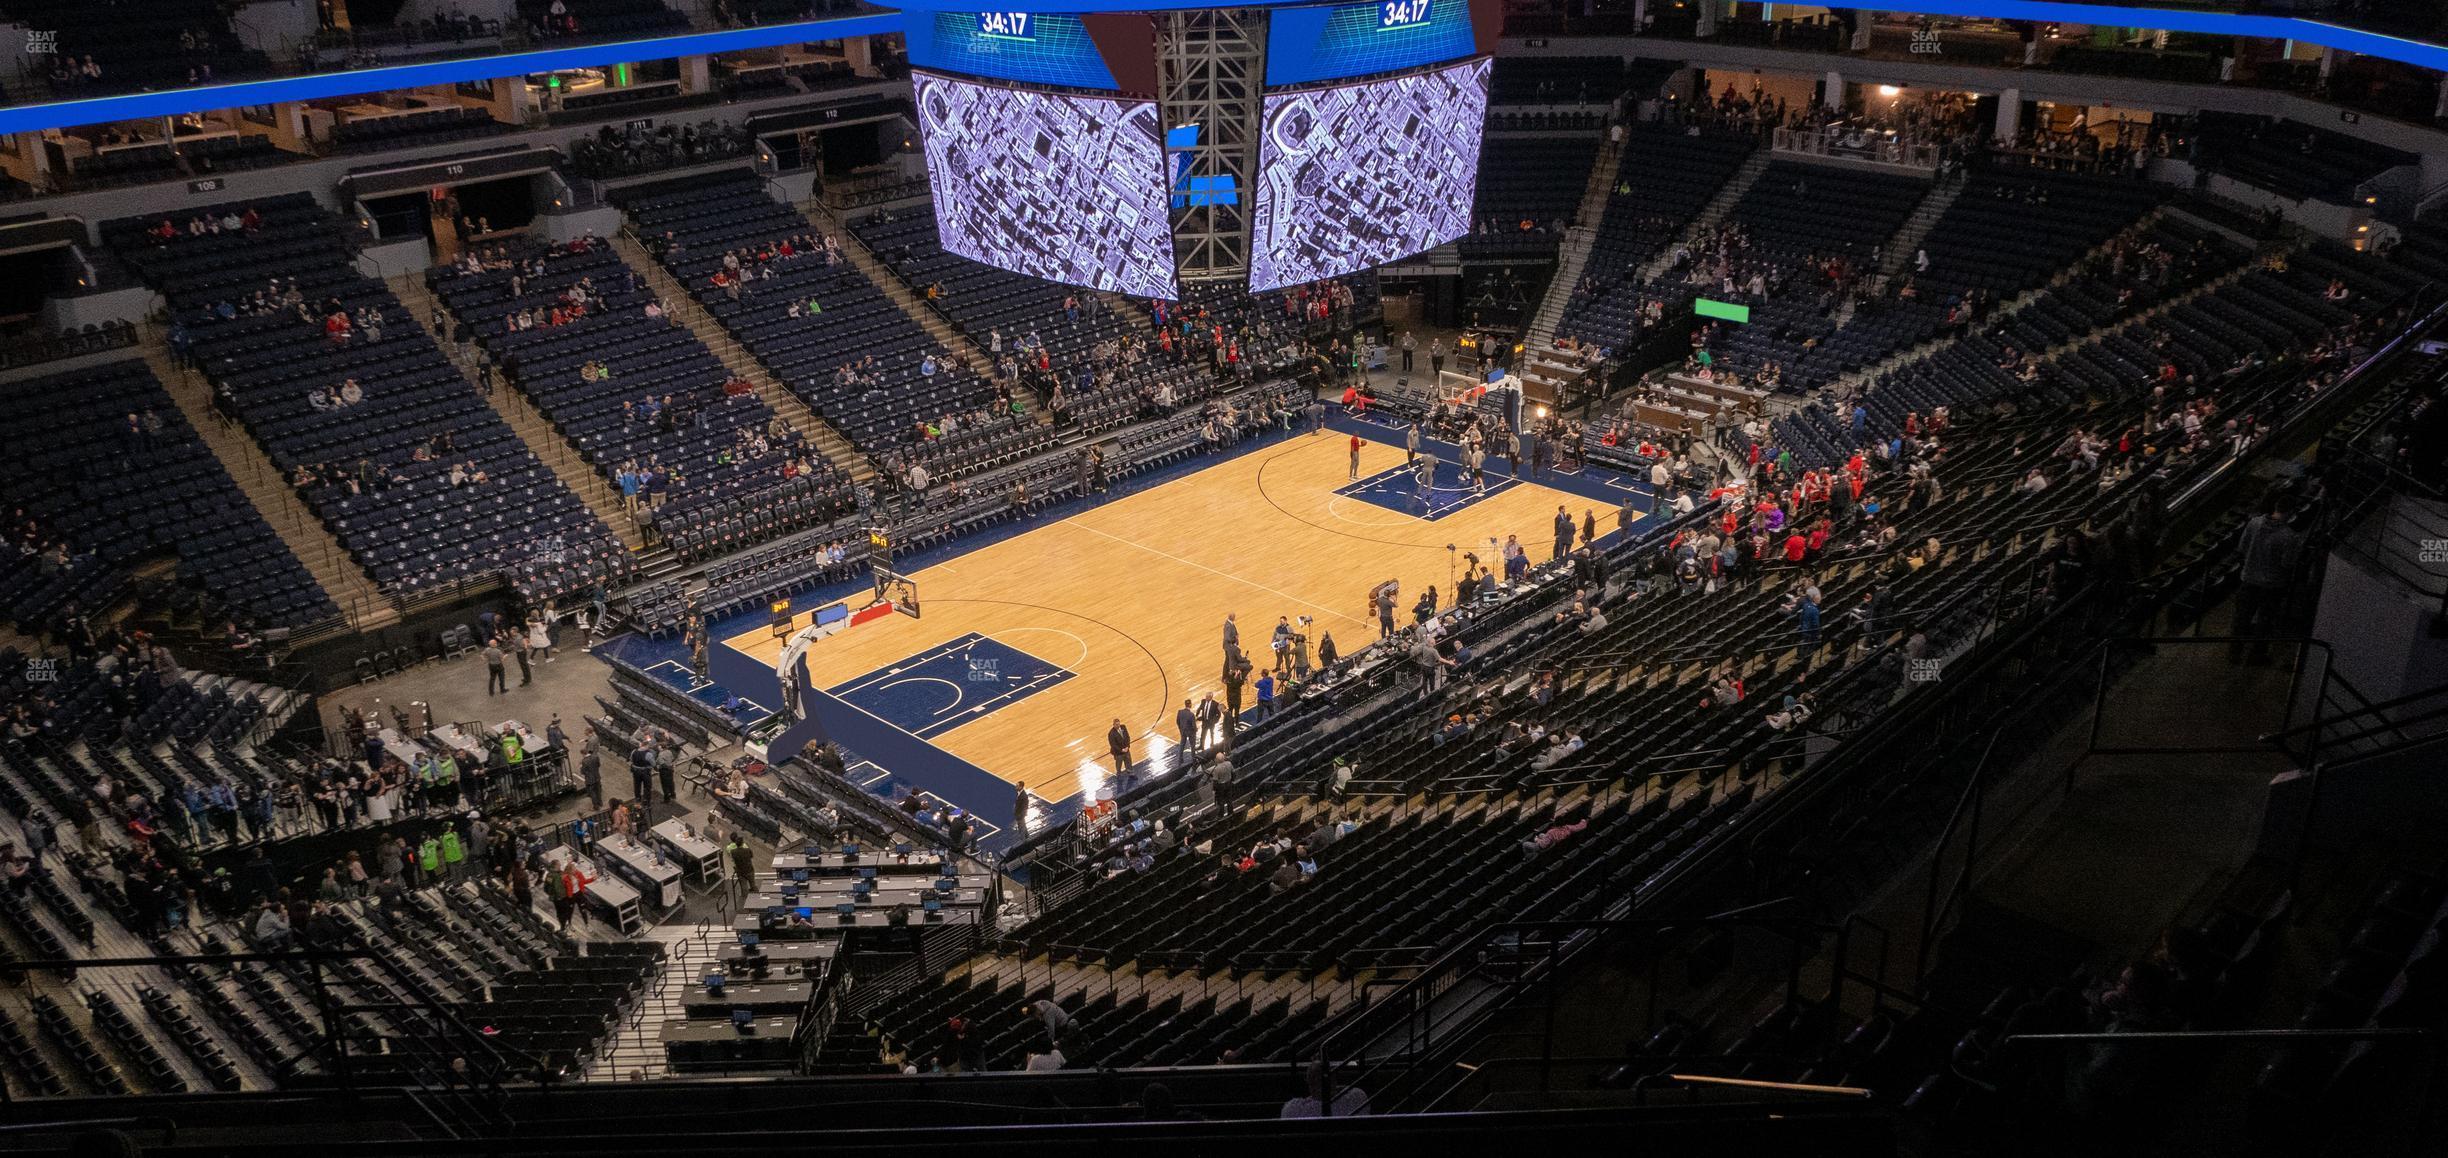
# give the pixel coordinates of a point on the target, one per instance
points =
(1131, 596)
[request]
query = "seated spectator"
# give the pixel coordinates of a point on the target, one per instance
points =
(1551, 836)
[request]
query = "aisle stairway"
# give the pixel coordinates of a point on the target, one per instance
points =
(1924, 350)
(365, 607)
(1934, 204)
(1574, 257)
(515, 409)
(1716, 210)
(685, 308)
(901, 293)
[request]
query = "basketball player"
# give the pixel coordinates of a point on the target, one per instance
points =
(1477, 458)
(1355, 458)
(1426, 484)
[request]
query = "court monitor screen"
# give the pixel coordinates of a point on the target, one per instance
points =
(1066, 188)
(1358, 175)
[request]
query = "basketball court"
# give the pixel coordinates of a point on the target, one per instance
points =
(1028, 648)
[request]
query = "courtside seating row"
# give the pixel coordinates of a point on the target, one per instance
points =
(120, 499)
(668, 708)
(407, 537)
(987, 501)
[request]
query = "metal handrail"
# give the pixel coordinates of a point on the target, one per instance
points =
(2376, 710)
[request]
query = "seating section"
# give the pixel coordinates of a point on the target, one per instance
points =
(99, 500)
(914, 1028)
(33, 349)
(1667, 178)
(234, 154)
(1556, 80)
(2295, 161)
(2260, 318)
(1529, 188)
(2006, 231)
(857, 360)
(1799, 229)
(636, 394)
(600, 19)
(1043, 335)
(138, 44)
(986, 497)
(1678, 707)
(279, 317)
(626, 151)
(435, 125)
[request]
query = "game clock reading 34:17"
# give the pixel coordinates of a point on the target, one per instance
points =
(1402, 13)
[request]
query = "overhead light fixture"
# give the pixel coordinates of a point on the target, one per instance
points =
(1889, 90)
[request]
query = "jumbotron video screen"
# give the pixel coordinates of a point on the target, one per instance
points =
(1358, 175)
(1067, 188)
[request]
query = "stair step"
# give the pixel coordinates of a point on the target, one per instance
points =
(836, 447)
(529, 423)
(901, 292)
(361, 603)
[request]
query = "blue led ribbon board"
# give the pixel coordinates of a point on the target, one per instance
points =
(1029, 47)
(1348, 40)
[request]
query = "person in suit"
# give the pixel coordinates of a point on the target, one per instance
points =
(1020, 807)
(1563, 532)
(1186, 722)
(1236, 676)
(1117, 742)
(1232, 637)
(1210, 720)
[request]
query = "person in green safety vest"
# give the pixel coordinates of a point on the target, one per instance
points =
(421, 792)
(445, 795)
(513, 750)
(429, 859)
(453, 856)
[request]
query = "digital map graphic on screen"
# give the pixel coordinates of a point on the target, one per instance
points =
(1359, 175)
(1066, 188)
